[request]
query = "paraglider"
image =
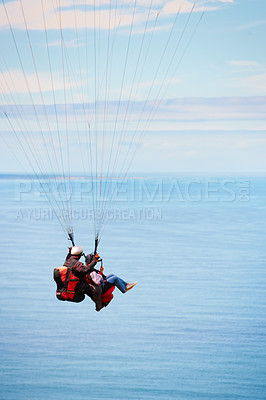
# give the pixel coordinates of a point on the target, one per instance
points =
(75, 280)
(84, 101)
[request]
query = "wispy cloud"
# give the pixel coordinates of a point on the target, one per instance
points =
(84, 14)
(68, 16)
(249, 76)
(190, 114)
(245, 63)
(247, 67)
(251, 25)
(67, 44)
(253, 83)
(181, 6)
(21, 84)
(155, 84)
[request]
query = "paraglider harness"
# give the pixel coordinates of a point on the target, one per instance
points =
(68, 284)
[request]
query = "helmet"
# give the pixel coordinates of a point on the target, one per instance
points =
(76, 250)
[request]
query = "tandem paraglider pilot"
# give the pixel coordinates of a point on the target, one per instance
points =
(75, 280)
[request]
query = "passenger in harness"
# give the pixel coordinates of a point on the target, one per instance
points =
(109, 280)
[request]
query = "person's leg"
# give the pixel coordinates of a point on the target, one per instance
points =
(95, 293)
(97, 298)
(118, 282)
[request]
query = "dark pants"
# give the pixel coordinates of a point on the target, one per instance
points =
(94, 292)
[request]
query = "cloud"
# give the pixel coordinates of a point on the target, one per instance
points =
(249, 76)
(213, 109)
(175, 6)
(155, 84)
(17, 76)
(244, 63)
(173, 115)
(186, 6)
(223, 1)
(68, 16)
(251, 25)
(254, 83)
(161, 28)
(84, 14)
(67, 43)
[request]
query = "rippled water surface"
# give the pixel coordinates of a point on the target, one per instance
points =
(193, 328)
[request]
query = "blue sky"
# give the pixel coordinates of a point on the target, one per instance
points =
(180, 86)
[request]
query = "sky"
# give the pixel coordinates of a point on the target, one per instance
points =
(133, 86)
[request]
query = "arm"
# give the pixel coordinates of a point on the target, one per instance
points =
(84, 269)
(91, 260)
(68, 256)
(90, 266)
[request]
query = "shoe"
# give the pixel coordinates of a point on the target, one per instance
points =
(99, 307)
(130, 286)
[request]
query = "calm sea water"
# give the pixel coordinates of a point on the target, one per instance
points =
(193, 328)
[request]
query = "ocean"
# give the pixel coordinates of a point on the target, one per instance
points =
(194, 327)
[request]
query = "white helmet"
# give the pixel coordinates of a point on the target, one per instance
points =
(76, 250)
